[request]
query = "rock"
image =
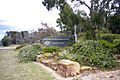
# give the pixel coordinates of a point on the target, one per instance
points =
(47, 62)
(68, 68)
(85, 68)
(39, 58)
(54, 65)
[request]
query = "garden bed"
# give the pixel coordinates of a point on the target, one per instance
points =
(65, 68)
(86, 74)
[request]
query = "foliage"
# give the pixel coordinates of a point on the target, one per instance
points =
(28, 53)
(105, 31)
(88, 35)
(81, 36)
(45, 31)
(111, 41)
(116, 48)
(50, 49)
(114, 23)
(110, 37)
(105, 43)
(6, 41)
(68, 19)
(91, 53)
(101, 15)
(24, 37)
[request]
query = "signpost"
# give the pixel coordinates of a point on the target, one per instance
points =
(59, 41)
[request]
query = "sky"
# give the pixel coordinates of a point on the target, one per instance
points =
(21, 15)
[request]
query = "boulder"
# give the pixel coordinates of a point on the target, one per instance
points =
(54, 65)
(85, 68)
(47, 62)
(68, 68)
(39, 58)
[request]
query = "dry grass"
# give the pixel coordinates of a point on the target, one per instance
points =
(11, 69)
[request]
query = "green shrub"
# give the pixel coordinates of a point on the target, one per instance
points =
(50, 49)
(91, 53)
(81, 36)
(28, 53)
(116, 48)
(105, 31)
(6, 41)
(106, 43)
(110, 37)
(111, 41)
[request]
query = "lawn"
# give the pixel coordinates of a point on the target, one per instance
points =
(11, 69)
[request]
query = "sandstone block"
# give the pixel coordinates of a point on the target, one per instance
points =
(39, 57)
(47, 62)
(85, 68)
(68, 68)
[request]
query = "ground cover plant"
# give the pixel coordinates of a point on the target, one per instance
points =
(93, 54)
(28, 53)
(51, 49)
(111, 41)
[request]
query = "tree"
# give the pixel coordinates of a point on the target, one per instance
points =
(114, 17)
(114, 22)
(46, 31)
(99, 10)
(6, 41)
(60, 24)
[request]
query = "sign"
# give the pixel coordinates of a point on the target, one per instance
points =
(58, 41)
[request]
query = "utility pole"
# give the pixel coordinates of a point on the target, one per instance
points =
(75, 33)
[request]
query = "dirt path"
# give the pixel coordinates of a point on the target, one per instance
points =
(11, 69)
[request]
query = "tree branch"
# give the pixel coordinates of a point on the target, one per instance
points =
(82, 2)
(104, 5)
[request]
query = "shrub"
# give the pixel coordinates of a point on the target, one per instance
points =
(110, 37)
(28, 53)
(50, 49)
(111, 41)
(6, 41)
(81, 36)
(116, 48)
(105, 30)
(91, 53)
(106, 43)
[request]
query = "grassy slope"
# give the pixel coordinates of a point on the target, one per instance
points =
(11, 69)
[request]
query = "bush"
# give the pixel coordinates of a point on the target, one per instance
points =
(105, 31)
(105, 43)
(6, 41)
(111, 41)
(28, 53)
(91, 53)
(50, 49)
(110, 37)
(116, 48)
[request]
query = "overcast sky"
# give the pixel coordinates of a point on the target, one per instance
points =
(23, 15)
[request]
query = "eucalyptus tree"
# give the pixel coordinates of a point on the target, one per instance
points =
(114, 17)
(99, 11)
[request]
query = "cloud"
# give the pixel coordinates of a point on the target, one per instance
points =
(4, 28)
(27, 14)
(2, 21)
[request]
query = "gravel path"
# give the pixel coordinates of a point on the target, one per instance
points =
(110, 75)
(99, 75)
